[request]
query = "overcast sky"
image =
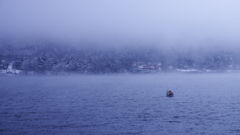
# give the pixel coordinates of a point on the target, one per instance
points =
(148, 21)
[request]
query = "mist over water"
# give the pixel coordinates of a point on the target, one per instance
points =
(103, 67)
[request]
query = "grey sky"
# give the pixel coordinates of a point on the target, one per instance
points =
(154, 21)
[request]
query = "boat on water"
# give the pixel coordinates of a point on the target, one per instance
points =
(169, 93)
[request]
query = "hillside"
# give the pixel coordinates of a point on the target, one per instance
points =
(50, 57)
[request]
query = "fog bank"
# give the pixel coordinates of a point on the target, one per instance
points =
(123, 22)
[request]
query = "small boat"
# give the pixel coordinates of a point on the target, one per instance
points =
(169, 93)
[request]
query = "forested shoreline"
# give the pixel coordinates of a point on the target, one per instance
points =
(50, 57)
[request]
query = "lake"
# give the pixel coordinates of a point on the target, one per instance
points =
(120, 104)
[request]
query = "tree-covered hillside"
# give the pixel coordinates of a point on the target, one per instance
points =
(51, 57)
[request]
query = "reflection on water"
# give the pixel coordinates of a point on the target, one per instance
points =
(120, 104)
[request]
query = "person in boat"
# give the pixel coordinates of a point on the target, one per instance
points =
(169, 93)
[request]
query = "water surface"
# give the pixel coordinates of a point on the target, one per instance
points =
(120, 104)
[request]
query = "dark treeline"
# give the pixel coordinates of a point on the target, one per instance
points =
(49, 57)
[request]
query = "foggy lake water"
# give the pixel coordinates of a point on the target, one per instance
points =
(120, 104)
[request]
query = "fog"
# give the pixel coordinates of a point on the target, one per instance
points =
(123, 22)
